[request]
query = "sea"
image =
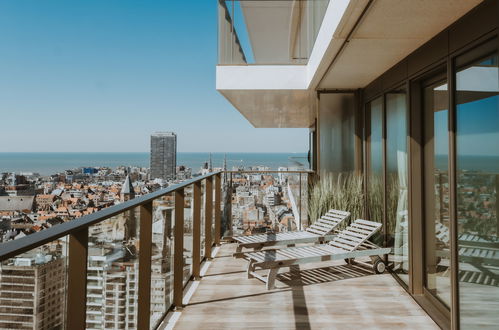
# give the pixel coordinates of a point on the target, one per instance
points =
(47, 163)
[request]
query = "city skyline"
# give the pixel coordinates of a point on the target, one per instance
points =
(109, 77)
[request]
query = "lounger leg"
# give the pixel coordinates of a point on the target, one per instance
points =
(251, 268)
(271, 278)
(239, 248)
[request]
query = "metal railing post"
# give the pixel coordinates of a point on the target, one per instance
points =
(178, 257)
(301, 213)
(218, 214)
(497, 205)
(196, 230)
(145, 253)
(77, 280)
(208, 190)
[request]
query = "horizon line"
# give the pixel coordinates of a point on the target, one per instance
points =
(205, 152)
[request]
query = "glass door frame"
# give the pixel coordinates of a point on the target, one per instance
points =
(367, 166)
(435, 78)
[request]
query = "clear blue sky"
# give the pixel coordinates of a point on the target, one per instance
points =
(101, 75)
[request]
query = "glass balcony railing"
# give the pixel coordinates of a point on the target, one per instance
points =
(267, 201)
(268, 32)
(123, 267)
(127, 265)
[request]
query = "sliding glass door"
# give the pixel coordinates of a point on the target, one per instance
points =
(477, 167)
(397, 215)
(387, 177)
(375, 190)
(436, 191)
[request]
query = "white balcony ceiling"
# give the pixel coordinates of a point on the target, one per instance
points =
(389, 31)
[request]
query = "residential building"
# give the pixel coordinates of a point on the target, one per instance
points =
(163, 155)
(32, 292)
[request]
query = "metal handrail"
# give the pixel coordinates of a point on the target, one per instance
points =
(271, 171)
(14, 247)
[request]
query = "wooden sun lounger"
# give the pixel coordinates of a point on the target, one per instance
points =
(349, 244)
(320, 231)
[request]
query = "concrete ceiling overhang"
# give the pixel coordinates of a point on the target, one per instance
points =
(386, 33)
(358, 41)
(274, 108)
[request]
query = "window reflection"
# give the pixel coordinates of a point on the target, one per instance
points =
(477, 185)
(375, 197)
(396, 162)
(436, 181)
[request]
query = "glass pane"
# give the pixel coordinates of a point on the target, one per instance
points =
(213, 213)
(203, 216)
(188, 216)
(33, 288)
(437, 253)
(281, 41)
(162, 258)
(112, 275)
(397, 193)
(375, 164)
(477, 99)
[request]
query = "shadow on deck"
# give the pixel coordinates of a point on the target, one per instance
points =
(329, 295)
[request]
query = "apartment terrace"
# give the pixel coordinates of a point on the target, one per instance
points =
(176, 268)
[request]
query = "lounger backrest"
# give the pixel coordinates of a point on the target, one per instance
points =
(328, 222)
(354, 235)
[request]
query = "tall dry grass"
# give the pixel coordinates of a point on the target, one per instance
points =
(342, 191)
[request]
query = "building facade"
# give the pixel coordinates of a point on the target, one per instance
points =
(404, 95)
(32, 292)
(163, 155)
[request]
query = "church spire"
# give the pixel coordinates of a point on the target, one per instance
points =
(127, 191)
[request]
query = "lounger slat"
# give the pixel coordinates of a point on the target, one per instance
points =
(325, 223)
(341, 245)
(350, 239)
(328, 221)
(358, 225)
(319, 228)
(353, 234)
(312, 230)
(331, 218)
(366, 222)
(318, 225)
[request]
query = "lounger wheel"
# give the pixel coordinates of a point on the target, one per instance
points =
(379, 266)
(349, 261)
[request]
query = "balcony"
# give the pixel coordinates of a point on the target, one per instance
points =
(153, 251)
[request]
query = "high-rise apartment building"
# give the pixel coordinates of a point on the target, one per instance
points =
(32, 292)
(163, 155)
(111, 292)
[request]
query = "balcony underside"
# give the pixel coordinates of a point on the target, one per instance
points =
(318, 295)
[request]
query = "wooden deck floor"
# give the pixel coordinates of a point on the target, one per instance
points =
(313, 296)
